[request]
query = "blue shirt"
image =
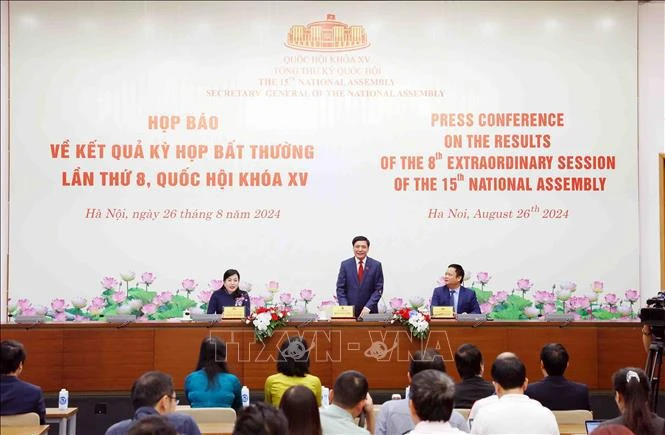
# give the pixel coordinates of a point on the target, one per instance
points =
(184, 424)
(224, 394)
(221, 298)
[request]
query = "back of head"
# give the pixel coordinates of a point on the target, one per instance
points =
(212, 358)
(153, 425)
(509, 372)
(350, 388)
(293, 357)
(633, 386)
(260, 419)
(555, 359)
(301, 410)
(468, 361)
(150, 387)
(12, 354)
(428, 359)
(432, 393)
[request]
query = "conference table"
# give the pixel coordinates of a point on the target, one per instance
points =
(65, 418)
(98, 356)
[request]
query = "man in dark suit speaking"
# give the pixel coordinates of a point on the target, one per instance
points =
(453, 294)
(360, 280)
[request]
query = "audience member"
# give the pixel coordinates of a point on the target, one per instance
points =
(431, 403)
(612, 429)
(293, 368)
(632, 395)
(299, 406)
(211, 385)
(481, 403)
(513, 412)
(229, 295)
(472, 387)
(395, 415)
(350, 398)
(17, 396)
(152, 395)
(261, 419)
(555, 391)
(153, 425)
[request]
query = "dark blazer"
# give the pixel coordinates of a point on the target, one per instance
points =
(470, 390)
(360, 294)
(559, 394)
(19, 397)
(466, 301)
(221, 298)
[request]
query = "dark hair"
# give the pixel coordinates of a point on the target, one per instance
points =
(459, 270)
(153, 425)
(293, 357)
(432, 393)
(299, 406)
(150, 387)
(12, 355)
(212, 359)
(468, 361)
(261, 419)
(359, 239)
(229, 273)
(350, 388)
(509, 372)
(428, 359)
(633, 386)
(555, 359)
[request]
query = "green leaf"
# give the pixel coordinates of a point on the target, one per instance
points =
(145, 296)
(603, 315)
(518, 302)
(168, 313)
(482, 295)
(182, 302)
(509, 313)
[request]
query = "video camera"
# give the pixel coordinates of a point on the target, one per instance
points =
(654, 316)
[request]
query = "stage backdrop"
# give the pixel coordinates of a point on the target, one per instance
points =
(186, 138)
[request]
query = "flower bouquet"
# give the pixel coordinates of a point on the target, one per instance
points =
(415, 321)
(265, 320)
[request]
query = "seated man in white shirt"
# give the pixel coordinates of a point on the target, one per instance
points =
(431, 403)
(480, 403)
(513, 412)
(349, 398)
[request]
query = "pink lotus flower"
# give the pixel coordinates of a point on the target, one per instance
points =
(149, 309)
(189, 285)
(286, 298)
(29, 312)
(632, 295)
(257, 301)
(492, 300)
(544, 297)
(568, 285)
(119, 297)
(205, 295)
(524, 284)
(148, 278)
(165, 297)
(531, 312)
(98, 302)
(245, 286)
(485, 308)
(441, 281)
(578, 303)
(501, 297)
(40, 310)
(597, 286)
(129, 276)
(327, 303)
(109, 283)
(563, 294)
(611, 299)
(79, 318)
(272, 286)
(396, 303)
(215, 284)
(60, 317)
(625, 309)
(483, 277)
(306, 294)
(79, 302)
(156, 302)
(58, 305)
(549, 308)
(24, 304)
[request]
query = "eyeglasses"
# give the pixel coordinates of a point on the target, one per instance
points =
(174, 397)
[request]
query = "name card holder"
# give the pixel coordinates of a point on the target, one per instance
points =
(233, 313)
(442, 313)
(342, 312)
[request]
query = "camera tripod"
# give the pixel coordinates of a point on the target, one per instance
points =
(654, 362)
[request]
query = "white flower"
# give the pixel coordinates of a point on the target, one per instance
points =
(129, 276)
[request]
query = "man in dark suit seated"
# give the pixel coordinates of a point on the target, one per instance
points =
(555, 391)
(360, 280)
(469, 364)
(453, 294)
(16, 396)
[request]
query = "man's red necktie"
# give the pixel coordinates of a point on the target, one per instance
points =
(360, 271)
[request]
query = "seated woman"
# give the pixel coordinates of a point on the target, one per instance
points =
(260, 419)
(229, 295)
(211, 385)
(293, 368)
(632, 394)
(299, 406)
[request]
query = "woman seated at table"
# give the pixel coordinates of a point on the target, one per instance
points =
(211, 385)
(293, 368)
(229, 295)
(632, 395)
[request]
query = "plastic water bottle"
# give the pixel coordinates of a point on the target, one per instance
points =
(63, 399)
(244, 395)
(406, 392)
(325, 396)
